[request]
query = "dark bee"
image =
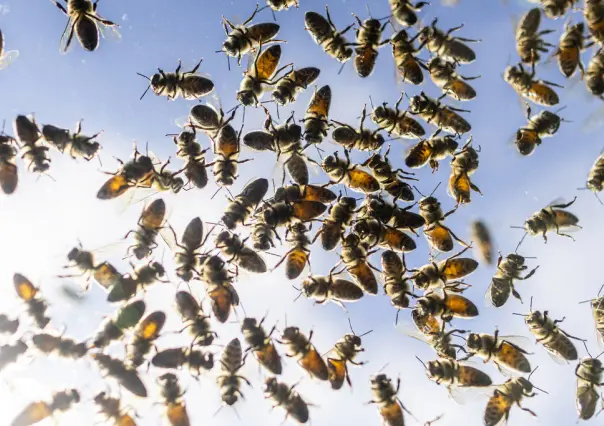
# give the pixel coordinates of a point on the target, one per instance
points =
(361, 139)
(542, 125)
(188, 85)
(442, 342)
(289, 87)
(245, 203)
(235, 250)
(344, 351)
(315, 117)
(30, 138)
(176, 410)
(137, 172)
(431, 151)
(278, 5)
(537, 91)
(442, 116)
(27, 130)
(194, 319)
(84, 23)
(82, 146)
(572, 43)
(368, 41)
(324, 289)
(304, 351)
(452, 374)
(228, 381)
(111, 408)
(595, 74)
(374, 233)
(207, 119)
(178, 357)
(385, 395)
(504, 397)
(219, 287)
(81, 260)
(262, 236)
(325, 34)
(281, 213)
(284, 396)
(261, 345)
(7, 325)
(64, 347)
(555, 9)
(502, 284)
(354, 256)
(405, 12)
(595, 179)
(394, 121)
(339, 217)
(503, 352)
(528, 37)
(438, 235)
(408, 65)
(149, 224)
(165, 180)
(389, 179)
(445, 273)
(463, 164)
(9, 177)
(56, 137)
(551, 218)
(187, 255)
(140, 277)
(126, 376)
(146, 332)
(593, 12)
(37, 411)
(36, 305)
(343, 172)
(484, 243)
(281, 139)
(589, 374)
(305, 192)
(446, 46)
(446, 307)
(113, 329)
(298, 256)
(10, 353)
(226, 148)
(452, 84)
(396, 285)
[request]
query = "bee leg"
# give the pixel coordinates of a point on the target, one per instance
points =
(468, 40)
(60, 6)
(451, 30)
(570, 336)
(552, 84)
(531, 412)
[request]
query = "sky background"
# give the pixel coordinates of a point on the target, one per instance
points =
(45, 218)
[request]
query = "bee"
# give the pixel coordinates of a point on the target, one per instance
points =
(551, 218)
(452, 84)
(354, 256)
(344, 351)
(282, 213)
(235, 250)
(466, 159)
(297, 192)
(374, 233)
(396, 285)
(503, 352)
(394, 121)
(165, 180)
(385, 395)
(589, 373)
(595, 74)
(207, 119)
(84, 23)
(27, 130)
(6, 57)
(315, 117)
(375, 207)
(389, 179)
(125, 375)
(453, 375)
(405, 12)
(439, 236)
(10, 353)
(298, 256)
(304, 351)
(325, 34)
(284, 396)
(146, 332)
(595, 179)
(192, 315)
(482, 236)
(445, 46)
(262, 236)
(188, 85)
(572, 43)
(289, 87)
(186, 254)
(245, 203)
(339, 217)
(149, 224)
(36, 305)
(441, 342)
(176, 410)
(528, 39)
(362, 139)
(324, 289)
(111, 408)
(444, 273)
(79, 145)
(177, 357)
(224, 298)
(226, 149)
(408, 65)
(65, 347)
(37, 411)
(9, 177)
(30, 138)
(442, 116)
(113, 329)
(509, 269)
(542, 125)
(463, 164)
(368, 41)
(342, 172)
(280, 139)
(137, 172)
(537, 91)
(278, 5)
(7, 325)
(446, 307)
(500, 404)
(431, 151)
(83, 261)
(593, 12)
(228, 381)
(241, 39)
(261, 345)
(555, 9)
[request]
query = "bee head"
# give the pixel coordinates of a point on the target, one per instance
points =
(280, 96)
(524, 147)
(230, 47)
(270, 385)
(595, 184)
(344, 54)
(379, 380)
(353, 339)
(526, 385)
(73, 253)
(223, 237)
(426, 34)
(246, 98)
(330, 163)
(399, 37)
(290, 333)
(534, 319)
(249, 323)
(348, 202)
(158, 268)
(534, 225)
(473, 341)
(435, 369)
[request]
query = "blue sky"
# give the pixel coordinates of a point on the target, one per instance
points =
(44, 218)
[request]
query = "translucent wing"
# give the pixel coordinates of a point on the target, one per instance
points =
(521, 341)
(67, 38)
(8, 57)
(110, 33)
(465, 394)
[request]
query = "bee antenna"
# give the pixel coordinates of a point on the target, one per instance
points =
(419, 192)
(544, 391)
(521, 240)
(422, 362)
(520, 315)
(532, 372)
(434, 190)
(598, 197)
(586, 301)
(144, 76)
(350, 324)
(370, 101)
(383, 367)
(531, 307)
(587, 349)
(516, 227)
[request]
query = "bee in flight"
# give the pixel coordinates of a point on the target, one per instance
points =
(528, 37)
(463, 164)
(368, 41)
(229, 381)
(188, 85)
(542, 125)
(65, 347)
(194, 319)
(37, 411)
(6, 56)
(235, 250)
(442, 116)
(439, 236)
(36, 305)
(9, 176)
(315, 121)
(111, 408)
(171, 392)
(11, 352)
(7, 325)
(396, 285)
(343, 172)
(327, 288)
(593, 12)
(339, 217)
(261, 345)
(431, 151)
(405, 12)
(537, 91)
(242, 206)
(445, 307)
(453, 375)
(29, 136)
(361, 139)
(395, 121)
(113, 328)
(500, 349)
(146, 332)
(374, 233)
(219, 287)
(505, 396)
(278, 5)
(208, 120)
(385, 396)
(452, 84)
(173, 358)
(445, 273)
(354, 257)
(589, 374)
(125, 375)
(408, 66)
(509, 269)
(300, 347)
(595, 178)
(285, 397)
(555, 9)
(552, 218)
(150, 222)
(227, 146)
(325, 34)
(482, 236)
(390, 180)
(445, 46)
(298, 256)
(289, 87)
(344, 351)
(572, 44)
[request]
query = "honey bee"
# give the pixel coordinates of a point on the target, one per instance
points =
(278, 5)
(228, 381)
(344, 351)
(125, 375)
(509, 269)
(595, 74)
(11, 352)
(442, 116)
(315, 117)
(374, 233)
(503, 352)
(354, 256)
(146, 332)
(324, 289)
(194, 319)
(68, 348)
(445, 46)
(176, 410)
(186, 254)
(452, 84)
(340, 216)
(439, 236)
(463, 164)
(342, 172)
(30, 138)
(282, 213)
(500, 404)
(289, 87)
(192, 154)
(305, 192)
(36, 305)
(593, 12)
(37, 411)
(368, 41)
(9, 177)
(245, 203)
(83, 261)
(555, 9)
(446, 307)
(304, 351)
(405, 12)
(394, 121)
(207, 119)
(284, 396)
(589, 373)
(537, 91)
(6, 56)
(262, 236)
(441, 341)
(408, 65)
(7, 325)
(84, 23)
(453, 375)
(396, 285)
(227, 147)
(551, 218)
(261, 345)
(111, 408)
(385, 396)
(528, 37)
(188, 85)
(375, 207)
(76, 144)
(224, 298)
(572, 43)
(57, 137)
(325, 34)
(444, 273)
(542, 125)
(178, 357)
(361, 139)
(27, 130)
(135, 173)
(431, 151)
(595, 179)
(113, 328)
(280, 139)
(482, 236)
(298, 256)
(390, 180)
(235, 250)
(148, 274)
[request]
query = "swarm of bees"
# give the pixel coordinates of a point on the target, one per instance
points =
(367, 210)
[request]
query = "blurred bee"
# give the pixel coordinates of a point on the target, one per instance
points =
(325, 34)
(344, 351)
(354, 256)
(408, 65)
(368, 41)
(176, 410)
(289, 87)
(64, 347)
(111, 408)
(484, 243)
(11, 352)
(374, 233)
(542, 125)
(145, 275)
(241, 39)
(113, 329)
(439, 236)
(245, 203)
(444, 273)
(362, 139)
(537, 91)
(37, 411)
(84, 23)
(224, 298)
(186, 254)
(9, 177)
(188, 85)
(82, 146)
(56, 137)
(7, 325)
(342, 172)
(235, 250)
(394, 121)
(146, 332)
(504, 397)
(446, 46)
(149, 224)
(278, 5)
(228, 381)
(389, 179)
(207, 119)
(262, 236)
(453, 375)
(324, 289)
(284, 396)
(593, 12)
(431, 151)
(441, 342)
(595, 74)
(442, 116)
(555, 9)
(304, 351)
(194, 319)
(551, 218)
(405, 12)
(503, 352)
(446, 307)
(463, 164)
(509, 269)
(528, 37)
(339, 217)
(595, 179)
(261, 345)
(396, 285)
(178, 357)
(589, 374)
(165, 180)
(466, 159)
(452, 84)
(126, 376)
(385, 395)
(83, 261)
(226, 148)
(6, 56)
(298, 256)
(305, 192)
(315, 117)
(30, 138)
(282, 213)
(135, 173)
(572, 43)
(36, 305)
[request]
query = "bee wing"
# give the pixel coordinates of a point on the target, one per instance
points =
(67, 38)
(517, 341)
(110, 32)
(411, 331)
(466, 394)
(8, 57)
(251, 261)
(33, 413)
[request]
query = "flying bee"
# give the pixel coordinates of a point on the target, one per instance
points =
(325, 34)
(555, 9)
(466, 159)
(9, 177)
(342, 172)
(226, 148)
(395, 121)
(235, 250)
(354, 256)
(36, 305)
(262, 236)
(589, 374)
(207, 119)
(442, 116)
(195, 359)
(368, 41)
(361, 139)
(390, 180)
(339, 217)
(135, 173)
(11, 352)
(593, 12)
(188, 85)
(194, 319)
(537, 91)
(176, 410)
(503, 352)
(241, 39)
(463, 164)
(572, 43)
(595, 179)
(300, 347)
(375, 207)
(30, 138)
(76, 144)
(441, 341)
(219, 287)
(446, 307)
(396, 285)
(408, 65)
(81, 260)
(482, 236)
(240, 208)
(509, 269)
(445, 273)
(439, 236)
(445, 46)
(542, 125)
(324, 289)
(453, 375)
(280, 139)
(374, 233)
(528, 37)
(229, 381)
(431, 151)
(7, 325)
(282, 213)
(27, 130)
(405, 12)
(261, 345)
(452, 84)
(289, 87)
(284, 396)
(551, 218)
(344, 351)
(186, 252)
(6, 56)
(385, 396)
(305, 192)
(595, 74)
(111, 408)
(125, 375)
(315, 117)
(298, 256)
(504, 397)
(37, 411)
(146, 332)
(278, 5)
(84, 23)
(165, 180)
(64, 347)
(149, 224)
(113, 329)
